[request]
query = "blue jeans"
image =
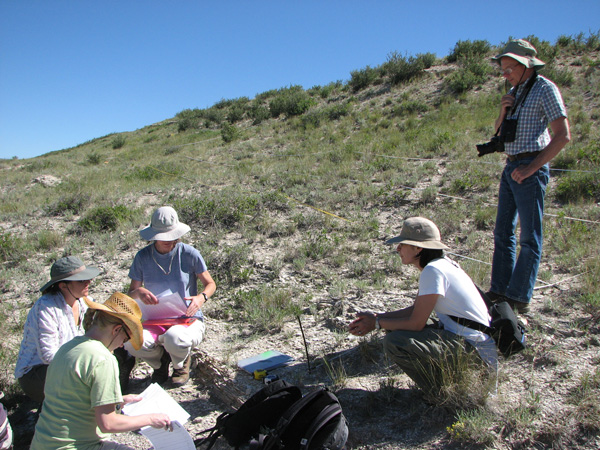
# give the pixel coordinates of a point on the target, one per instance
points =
(511, 276)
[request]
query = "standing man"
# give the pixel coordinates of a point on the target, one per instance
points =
(533, 103)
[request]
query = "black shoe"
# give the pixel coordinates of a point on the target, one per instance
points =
(493, 297)
(161, 375)
(520, 307)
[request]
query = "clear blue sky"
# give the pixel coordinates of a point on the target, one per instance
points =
(71, 71)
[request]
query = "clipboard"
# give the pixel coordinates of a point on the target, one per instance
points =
(169, 321)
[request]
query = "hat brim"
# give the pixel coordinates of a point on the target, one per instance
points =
(435, 245)
(527, 61)
(151, 234)
(87, 274)
(133, 323)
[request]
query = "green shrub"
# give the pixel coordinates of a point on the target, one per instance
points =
(336, 112)
(49, 240)
(266, 309)
(104, 218)
(469, 49)
(229, 133)
(149, 173)
(73, 203)
(578, 186)
(472, 72)
(94, 159)
(259, 113)
(118, 141)
(11, 248)
(562, 77)
(363, 78)
(225, 209)
(408, 107)
(292, 101)
(401, 69)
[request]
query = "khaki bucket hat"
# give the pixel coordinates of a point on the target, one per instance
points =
(69, 268)
(125, 308)
(164, 226)
(521, 51)
(420, 232)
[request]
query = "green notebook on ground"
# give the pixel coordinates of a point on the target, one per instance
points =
(265, 361)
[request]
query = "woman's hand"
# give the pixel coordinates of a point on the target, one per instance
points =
(160, 421)
(143, 294)
(196, 303)
(364, 323)
(131, 398)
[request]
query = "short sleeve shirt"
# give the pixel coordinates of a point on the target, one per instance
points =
(82, 376)
(543, 105)
(176, 271)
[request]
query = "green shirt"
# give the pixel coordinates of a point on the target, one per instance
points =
(82, 376)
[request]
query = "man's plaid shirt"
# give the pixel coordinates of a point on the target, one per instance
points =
(543, 105)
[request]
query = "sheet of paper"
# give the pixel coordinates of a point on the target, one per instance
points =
(161, 439)
(169, 305)
(157, 400)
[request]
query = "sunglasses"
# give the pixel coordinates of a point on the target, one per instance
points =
(124, 328)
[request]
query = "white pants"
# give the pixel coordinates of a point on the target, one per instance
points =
(178, 341)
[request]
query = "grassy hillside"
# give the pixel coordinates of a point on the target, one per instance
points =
(291, 194)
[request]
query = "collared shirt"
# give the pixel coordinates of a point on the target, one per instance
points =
(543, 105)
(50, 324)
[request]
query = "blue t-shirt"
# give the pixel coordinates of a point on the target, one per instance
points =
(176, 271)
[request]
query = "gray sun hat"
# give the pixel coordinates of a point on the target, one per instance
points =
(522, 52)
(69, 268)
(419, 232)
(164, 226)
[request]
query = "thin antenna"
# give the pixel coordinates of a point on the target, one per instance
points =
(305, 346)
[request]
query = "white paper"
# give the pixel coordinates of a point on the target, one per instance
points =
(157, 400)
(169, 305)
(162, 439)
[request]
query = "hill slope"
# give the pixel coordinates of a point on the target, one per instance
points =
(290, 196)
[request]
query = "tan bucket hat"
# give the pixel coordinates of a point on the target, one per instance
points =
(420, 232)
(125, 308)
(521, 51)
(164, 226)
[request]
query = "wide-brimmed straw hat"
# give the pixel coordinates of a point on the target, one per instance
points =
(164, 226)
(420, 232)
(521, 51)
(125, 308)
(69, 268)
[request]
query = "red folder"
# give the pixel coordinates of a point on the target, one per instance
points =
(170, 321)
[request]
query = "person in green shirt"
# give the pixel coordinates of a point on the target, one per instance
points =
(82, 393)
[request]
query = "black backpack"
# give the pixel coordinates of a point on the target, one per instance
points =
(278, 417)
(315, 422)
(505, 328)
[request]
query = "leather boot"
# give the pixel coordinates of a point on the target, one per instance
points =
(161, 374)
(181, 376)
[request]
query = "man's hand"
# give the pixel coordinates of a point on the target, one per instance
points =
(364, 323)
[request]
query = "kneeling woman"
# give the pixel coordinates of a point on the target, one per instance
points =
(419, 348)
(82, 384)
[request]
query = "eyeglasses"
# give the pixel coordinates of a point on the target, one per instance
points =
(509, 69)
(124, 328)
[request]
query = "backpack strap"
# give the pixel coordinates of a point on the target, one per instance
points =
(473, 325)
(328, 413)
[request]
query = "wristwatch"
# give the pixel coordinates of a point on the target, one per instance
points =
(205, 297)
(377, 324)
